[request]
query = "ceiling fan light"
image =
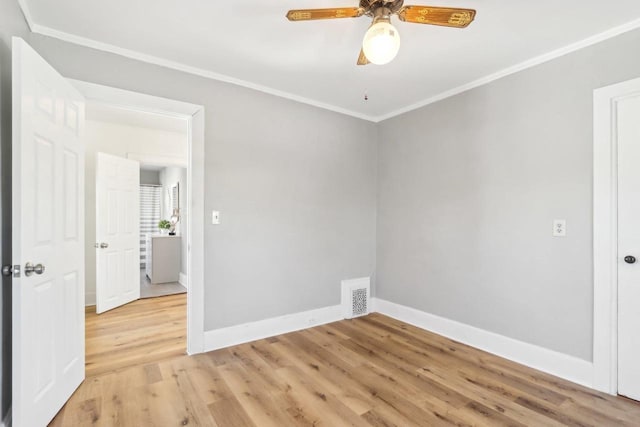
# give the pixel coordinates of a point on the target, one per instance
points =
(381, 43)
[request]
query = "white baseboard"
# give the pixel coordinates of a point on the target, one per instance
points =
(89, 298)
(561, 365)
(233, 335)
(184, 280)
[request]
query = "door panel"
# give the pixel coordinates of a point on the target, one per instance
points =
(112, 271)
(43, 194)
(45, 339)
(48, 229)
(117, 225)
(71, 321)
(132, 272)
(71, 196)
(628, 131)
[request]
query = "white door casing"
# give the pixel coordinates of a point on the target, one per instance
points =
(628, 135)
(608, 262)
(117, 231)
(195, 115)
(48, 229)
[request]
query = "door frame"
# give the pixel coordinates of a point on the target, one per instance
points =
(605, 233)
(194, 114)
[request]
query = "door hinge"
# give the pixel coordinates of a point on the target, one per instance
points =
(8, 270)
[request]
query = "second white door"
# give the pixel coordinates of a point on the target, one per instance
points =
(628, 132)
(117, 231)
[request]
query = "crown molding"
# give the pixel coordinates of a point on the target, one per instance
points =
(166, 63)
(589, 41)
(132, 54)
(27, 13)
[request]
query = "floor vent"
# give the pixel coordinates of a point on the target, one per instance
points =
(356, 294)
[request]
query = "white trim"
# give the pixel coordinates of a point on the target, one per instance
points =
(605, 233)
(162, 62)
(239, 334)
(149, 159)
(26, 13)
(89, 298)
(94, 44)
(589, 41)
(561, 365)
(183, 280)
(194, 114)
(195, 235)
(134, 101)
(555, 363)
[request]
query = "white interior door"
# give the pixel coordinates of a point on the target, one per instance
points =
(48, 238)
(628, 129)
(117, 231)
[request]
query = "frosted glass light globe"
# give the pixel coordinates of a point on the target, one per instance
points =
(381, 43)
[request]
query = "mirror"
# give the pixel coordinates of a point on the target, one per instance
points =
(175, 197)
(175, 208)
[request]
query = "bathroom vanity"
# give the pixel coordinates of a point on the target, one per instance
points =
(163, 258)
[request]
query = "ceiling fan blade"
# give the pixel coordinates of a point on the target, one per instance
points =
(445, 16)
(313, 14)
(362, 59)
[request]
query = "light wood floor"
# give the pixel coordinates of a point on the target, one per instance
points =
(370, 371)
(143, 331)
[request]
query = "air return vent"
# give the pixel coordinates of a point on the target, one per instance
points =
(356, 297)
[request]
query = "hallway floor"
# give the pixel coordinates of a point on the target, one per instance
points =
(143, 331)
(149, 290)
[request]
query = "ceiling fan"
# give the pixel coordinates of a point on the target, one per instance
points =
(382, 41)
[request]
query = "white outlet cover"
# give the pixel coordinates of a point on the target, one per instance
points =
(559, 228)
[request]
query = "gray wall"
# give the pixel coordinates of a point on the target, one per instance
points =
(468, 189)
(149, 177)
(295, 185)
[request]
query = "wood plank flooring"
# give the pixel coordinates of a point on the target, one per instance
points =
(143, 331)
(370, 371)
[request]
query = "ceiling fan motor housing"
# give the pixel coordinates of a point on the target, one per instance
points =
(379, 8)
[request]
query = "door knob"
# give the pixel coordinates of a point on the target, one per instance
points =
(101, 245)
(629, 259)
(29, 269)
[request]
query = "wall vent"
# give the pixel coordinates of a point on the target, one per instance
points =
(356, 297)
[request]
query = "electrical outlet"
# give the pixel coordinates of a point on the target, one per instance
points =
(559, 228)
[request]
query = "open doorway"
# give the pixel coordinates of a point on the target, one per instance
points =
(163, 251)
(151, 206)
(193, 227)
(137, 179)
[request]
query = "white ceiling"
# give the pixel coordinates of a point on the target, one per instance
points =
(251, 41)
(125, 116)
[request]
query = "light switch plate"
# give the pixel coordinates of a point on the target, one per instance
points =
(559, 228)
(215, 217)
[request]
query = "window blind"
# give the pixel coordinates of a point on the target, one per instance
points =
(150, 196)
